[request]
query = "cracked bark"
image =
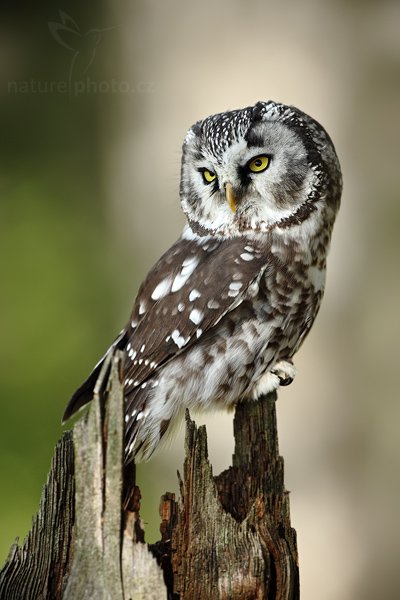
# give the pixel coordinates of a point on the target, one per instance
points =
(227, 536)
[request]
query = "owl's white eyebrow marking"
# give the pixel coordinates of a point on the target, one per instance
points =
(142, 308)
(246, 256)
(213, 304)
(161, 289)
(193, 295)
(196, 316)
(183, 276)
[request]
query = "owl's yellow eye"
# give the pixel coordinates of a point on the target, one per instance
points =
(258, 164)
(208, 176)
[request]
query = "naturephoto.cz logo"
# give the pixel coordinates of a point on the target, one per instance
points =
(83, 47)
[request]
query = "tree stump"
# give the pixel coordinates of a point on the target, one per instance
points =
(228, 537)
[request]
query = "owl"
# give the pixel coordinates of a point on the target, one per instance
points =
(220, 316)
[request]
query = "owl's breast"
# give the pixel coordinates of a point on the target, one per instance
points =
(289, 299)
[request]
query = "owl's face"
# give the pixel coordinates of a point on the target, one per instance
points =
(263, 167)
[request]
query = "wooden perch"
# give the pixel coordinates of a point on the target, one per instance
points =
(232, 537)
(228, 537)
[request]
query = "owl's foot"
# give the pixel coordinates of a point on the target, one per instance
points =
(282, 373)
(285, 371)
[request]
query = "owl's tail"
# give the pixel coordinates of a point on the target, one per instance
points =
(84, 393)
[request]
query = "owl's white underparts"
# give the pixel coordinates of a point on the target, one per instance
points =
(222, 313)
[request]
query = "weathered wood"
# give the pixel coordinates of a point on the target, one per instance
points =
(100, 554)
(228, 537)
(232, 538)
(108, 563)
(38, 569)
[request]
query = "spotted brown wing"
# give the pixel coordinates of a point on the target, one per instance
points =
(191, 288)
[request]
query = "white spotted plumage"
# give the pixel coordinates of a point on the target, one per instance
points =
(224, 310)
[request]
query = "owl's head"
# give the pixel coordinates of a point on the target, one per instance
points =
(264, 167)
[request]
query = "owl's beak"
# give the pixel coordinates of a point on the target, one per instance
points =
(230, 196)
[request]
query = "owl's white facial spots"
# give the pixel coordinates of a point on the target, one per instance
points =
(193, 295)
(188, 266)
(246, 256)
(196, 316)
(161, 289)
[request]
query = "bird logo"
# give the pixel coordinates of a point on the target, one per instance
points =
(83, 45)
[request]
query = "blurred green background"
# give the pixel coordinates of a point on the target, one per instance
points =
(95, 101)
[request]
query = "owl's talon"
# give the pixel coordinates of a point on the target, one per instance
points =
(283, 381)
(285, 371)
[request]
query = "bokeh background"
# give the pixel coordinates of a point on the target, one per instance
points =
(95, 102)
